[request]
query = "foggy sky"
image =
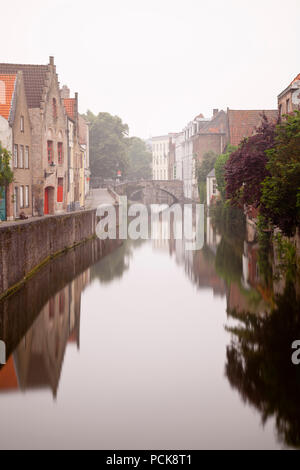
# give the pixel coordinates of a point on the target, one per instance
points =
(159, 63)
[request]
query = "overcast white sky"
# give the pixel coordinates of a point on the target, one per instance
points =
(159, 63)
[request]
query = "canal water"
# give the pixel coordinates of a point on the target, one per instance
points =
(143, 345)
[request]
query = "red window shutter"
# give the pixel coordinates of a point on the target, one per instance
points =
(60, 190)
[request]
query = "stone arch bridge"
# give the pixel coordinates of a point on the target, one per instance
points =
(153, 191)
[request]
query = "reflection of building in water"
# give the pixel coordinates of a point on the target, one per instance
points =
(249, 294)
(251, 276)
(38, 359)
(213, 238)
(199, 265)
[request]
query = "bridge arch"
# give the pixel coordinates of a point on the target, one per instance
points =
(141, 188)
(174, 189)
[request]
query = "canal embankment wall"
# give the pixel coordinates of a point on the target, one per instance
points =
(26, 245)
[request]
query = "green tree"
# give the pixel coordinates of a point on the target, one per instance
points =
(6, 174)
(281, 190)
(108, 145)
(220, 164)
(203, 169)
(139, 160)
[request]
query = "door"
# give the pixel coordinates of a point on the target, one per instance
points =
(46, 202)
(2, 204)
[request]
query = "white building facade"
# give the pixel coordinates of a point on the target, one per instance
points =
(160, 157)
(178, 164)
(190, 184)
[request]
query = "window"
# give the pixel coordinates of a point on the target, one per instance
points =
(280, 110)
(21, 197)
(21, 157)
(16, 156)
(22, 124)
(54, 108)
(60, 190)
(287, 106)
(26, 196)
(50, 151)
(214, 187)
(27, 158)
(60, 153)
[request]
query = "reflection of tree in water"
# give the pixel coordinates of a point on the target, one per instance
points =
(229, 259)
(116, 263)
(259, 364)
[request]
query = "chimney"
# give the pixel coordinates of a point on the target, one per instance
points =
(65, 92)
(51, 60)
(76, 102)
(215, 112)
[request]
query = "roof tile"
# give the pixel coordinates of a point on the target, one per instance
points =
(34, 80)
(7, 86)
(70, 107)
(242, 123)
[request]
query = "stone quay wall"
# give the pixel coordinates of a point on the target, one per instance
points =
(25, 246)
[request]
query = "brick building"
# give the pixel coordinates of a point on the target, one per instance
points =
(201, 136)
(212, 136)
(289, 99)
(15, 135)
(49, 136)
(85, 151)
(243, 123)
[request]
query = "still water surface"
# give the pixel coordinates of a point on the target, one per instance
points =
(127, 347)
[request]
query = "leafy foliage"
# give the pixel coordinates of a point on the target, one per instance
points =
(108, 145)
(6, 174)
(111, 149)
(228, 220)
(281, 188)
(246, 168)
(206, 165)
(139, 160)
(264, 252)
(220, 164)
(203, 168)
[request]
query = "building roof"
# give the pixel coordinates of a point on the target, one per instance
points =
(160, 137)
(296, 79)
(216, 125)
(7, 87)
(212, 174)
(70, 107)
(242, 123)
(35, 77)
